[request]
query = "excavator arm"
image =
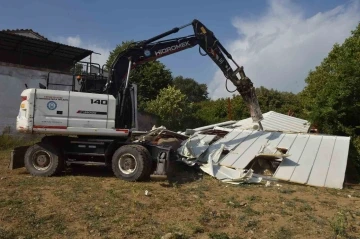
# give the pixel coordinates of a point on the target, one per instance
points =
(151, 49)
(215, 50)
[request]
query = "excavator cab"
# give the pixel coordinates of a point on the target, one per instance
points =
(90, 77)
(90, 83)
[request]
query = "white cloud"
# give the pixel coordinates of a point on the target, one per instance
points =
(73, 41)
(76, 41)
(278, 49)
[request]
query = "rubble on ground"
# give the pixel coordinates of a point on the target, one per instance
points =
(162, 136)
(238, 152)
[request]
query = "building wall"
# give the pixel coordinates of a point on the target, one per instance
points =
(12, 83)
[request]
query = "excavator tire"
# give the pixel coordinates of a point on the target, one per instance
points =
(43, 160)
(132, 163)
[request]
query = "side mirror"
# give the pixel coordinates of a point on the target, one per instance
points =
(42, 86)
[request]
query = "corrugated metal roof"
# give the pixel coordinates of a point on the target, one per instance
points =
(318, 160)
(21, 31)
(42, 48)
(274, 121)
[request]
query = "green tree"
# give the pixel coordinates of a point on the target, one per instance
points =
(279, 101)
(238, 108)
(118, 49)
(150, 77)
(171, 106)
(194, 91)
(215, 111)
(212, 111)
(331, 98)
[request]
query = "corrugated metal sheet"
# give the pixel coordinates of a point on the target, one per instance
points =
(274, 121)
(318, 160)
(280, 122)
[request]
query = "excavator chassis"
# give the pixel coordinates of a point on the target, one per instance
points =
(129, 161)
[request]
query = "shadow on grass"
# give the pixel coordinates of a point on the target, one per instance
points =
(183, 174)
(180, 173)
(87, 170)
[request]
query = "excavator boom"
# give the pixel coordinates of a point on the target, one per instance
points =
(151, 49)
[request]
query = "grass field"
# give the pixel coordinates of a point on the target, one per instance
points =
(89, 202)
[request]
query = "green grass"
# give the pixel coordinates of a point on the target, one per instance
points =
(287, 191)
(218, 235)
(11, 141)
(282, 233)
(338, 224)
(89, 202)
(5, 234)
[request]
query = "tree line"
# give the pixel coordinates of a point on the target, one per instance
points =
(330, 99)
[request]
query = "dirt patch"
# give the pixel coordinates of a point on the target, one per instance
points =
(89, 202)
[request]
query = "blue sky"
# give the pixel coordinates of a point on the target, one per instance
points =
(267, 27)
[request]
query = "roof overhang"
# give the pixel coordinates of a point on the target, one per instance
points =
(41, 48)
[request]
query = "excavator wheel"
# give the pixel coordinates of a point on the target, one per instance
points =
(44, 160)
(132, 163)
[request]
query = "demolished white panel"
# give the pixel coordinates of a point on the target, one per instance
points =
(226, 141)
(322, 162)
(235, 138)
(229, 139)
(226, 174)
(252, 151)
(246, 151)
(196, 145)
(230, 175)
(281, 122)
(222, 173)
(316, 160)
(307, 159)
(214, 125)
(289, 163)
(200, 145)
(274, 121)
(276, 138)
(242, 147)
(287, 141)
(336, 173)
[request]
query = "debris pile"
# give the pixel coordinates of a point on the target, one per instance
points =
(237, 151)
(162, 136)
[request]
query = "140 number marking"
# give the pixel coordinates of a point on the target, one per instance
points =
(100, 102)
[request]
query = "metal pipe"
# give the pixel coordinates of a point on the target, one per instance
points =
(186, 25)
(90, 63)
(174, 30)
(128, 74)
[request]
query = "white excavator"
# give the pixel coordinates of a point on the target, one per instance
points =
(94, 124)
